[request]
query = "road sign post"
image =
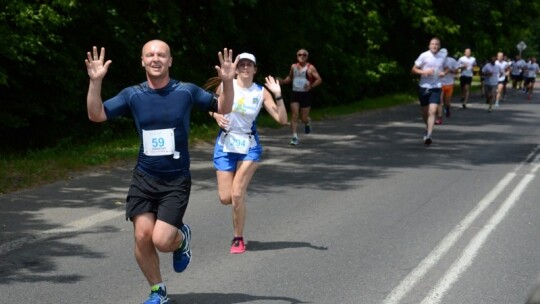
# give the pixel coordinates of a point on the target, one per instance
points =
(521, 46)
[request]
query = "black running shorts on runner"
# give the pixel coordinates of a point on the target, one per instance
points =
(167, 199)
(304, 98)
(518, 77)
(465, 80)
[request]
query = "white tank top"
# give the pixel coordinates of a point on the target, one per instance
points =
(300, 78)
(247, 105)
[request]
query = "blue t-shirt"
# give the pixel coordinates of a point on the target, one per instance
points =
(165, 108)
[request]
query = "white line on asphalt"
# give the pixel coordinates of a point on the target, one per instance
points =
(444, 246)
(470, 252)
(68, 228)
(408, 283)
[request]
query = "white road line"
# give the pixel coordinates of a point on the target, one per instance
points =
(470, 252)
(71, 227)
(410, 281)
(444, 246)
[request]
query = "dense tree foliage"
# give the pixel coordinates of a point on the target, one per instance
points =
(361, 48)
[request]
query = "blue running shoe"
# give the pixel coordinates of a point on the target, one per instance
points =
(307, 129)
(158, 296)
(182, 255)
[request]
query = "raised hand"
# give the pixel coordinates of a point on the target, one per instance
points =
(96, 65)
(227, 68)
(273, 85)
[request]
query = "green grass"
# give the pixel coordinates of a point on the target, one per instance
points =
(36, 168)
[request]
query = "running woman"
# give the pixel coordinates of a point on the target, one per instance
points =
(237, 151)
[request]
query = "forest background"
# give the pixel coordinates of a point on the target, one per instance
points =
(361, 48)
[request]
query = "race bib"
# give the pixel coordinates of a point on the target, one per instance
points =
(236, 143)
(158, 142)
(299, 84)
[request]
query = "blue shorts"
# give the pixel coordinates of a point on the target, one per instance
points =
(227, 161)
(429, 96)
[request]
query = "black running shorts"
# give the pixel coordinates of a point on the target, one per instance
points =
(167, 199)
(464, 80)
(304, 98)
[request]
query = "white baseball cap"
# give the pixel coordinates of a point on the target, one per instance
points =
(247, 56)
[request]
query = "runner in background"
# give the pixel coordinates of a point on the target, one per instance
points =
(447, 82)
(517, 73)
(430, 66)
(304, 78)
(467, 63)
(501, 87)
(491, 72)
(531, 71)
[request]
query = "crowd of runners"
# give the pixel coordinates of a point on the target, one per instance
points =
(160, 107)
(438, 72)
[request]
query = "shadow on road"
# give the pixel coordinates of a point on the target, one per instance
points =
(261, 246)
(227, 298)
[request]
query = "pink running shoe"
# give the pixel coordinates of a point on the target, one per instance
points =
(238, 246)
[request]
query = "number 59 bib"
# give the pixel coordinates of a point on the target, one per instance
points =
(158, 142)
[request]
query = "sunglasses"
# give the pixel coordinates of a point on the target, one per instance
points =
(301, 54)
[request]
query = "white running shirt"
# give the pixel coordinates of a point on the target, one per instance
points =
(247, 105)
(467, 64)
(428, 60)
(504, 66)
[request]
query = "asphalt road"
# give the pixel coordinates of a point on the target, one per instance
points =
(360, 212)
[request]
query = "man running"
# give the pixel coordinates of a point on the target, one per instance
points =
(160, 187)
(532, 70)
(304, 77)
(430, 66)
(516, 73)
(467, 63)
